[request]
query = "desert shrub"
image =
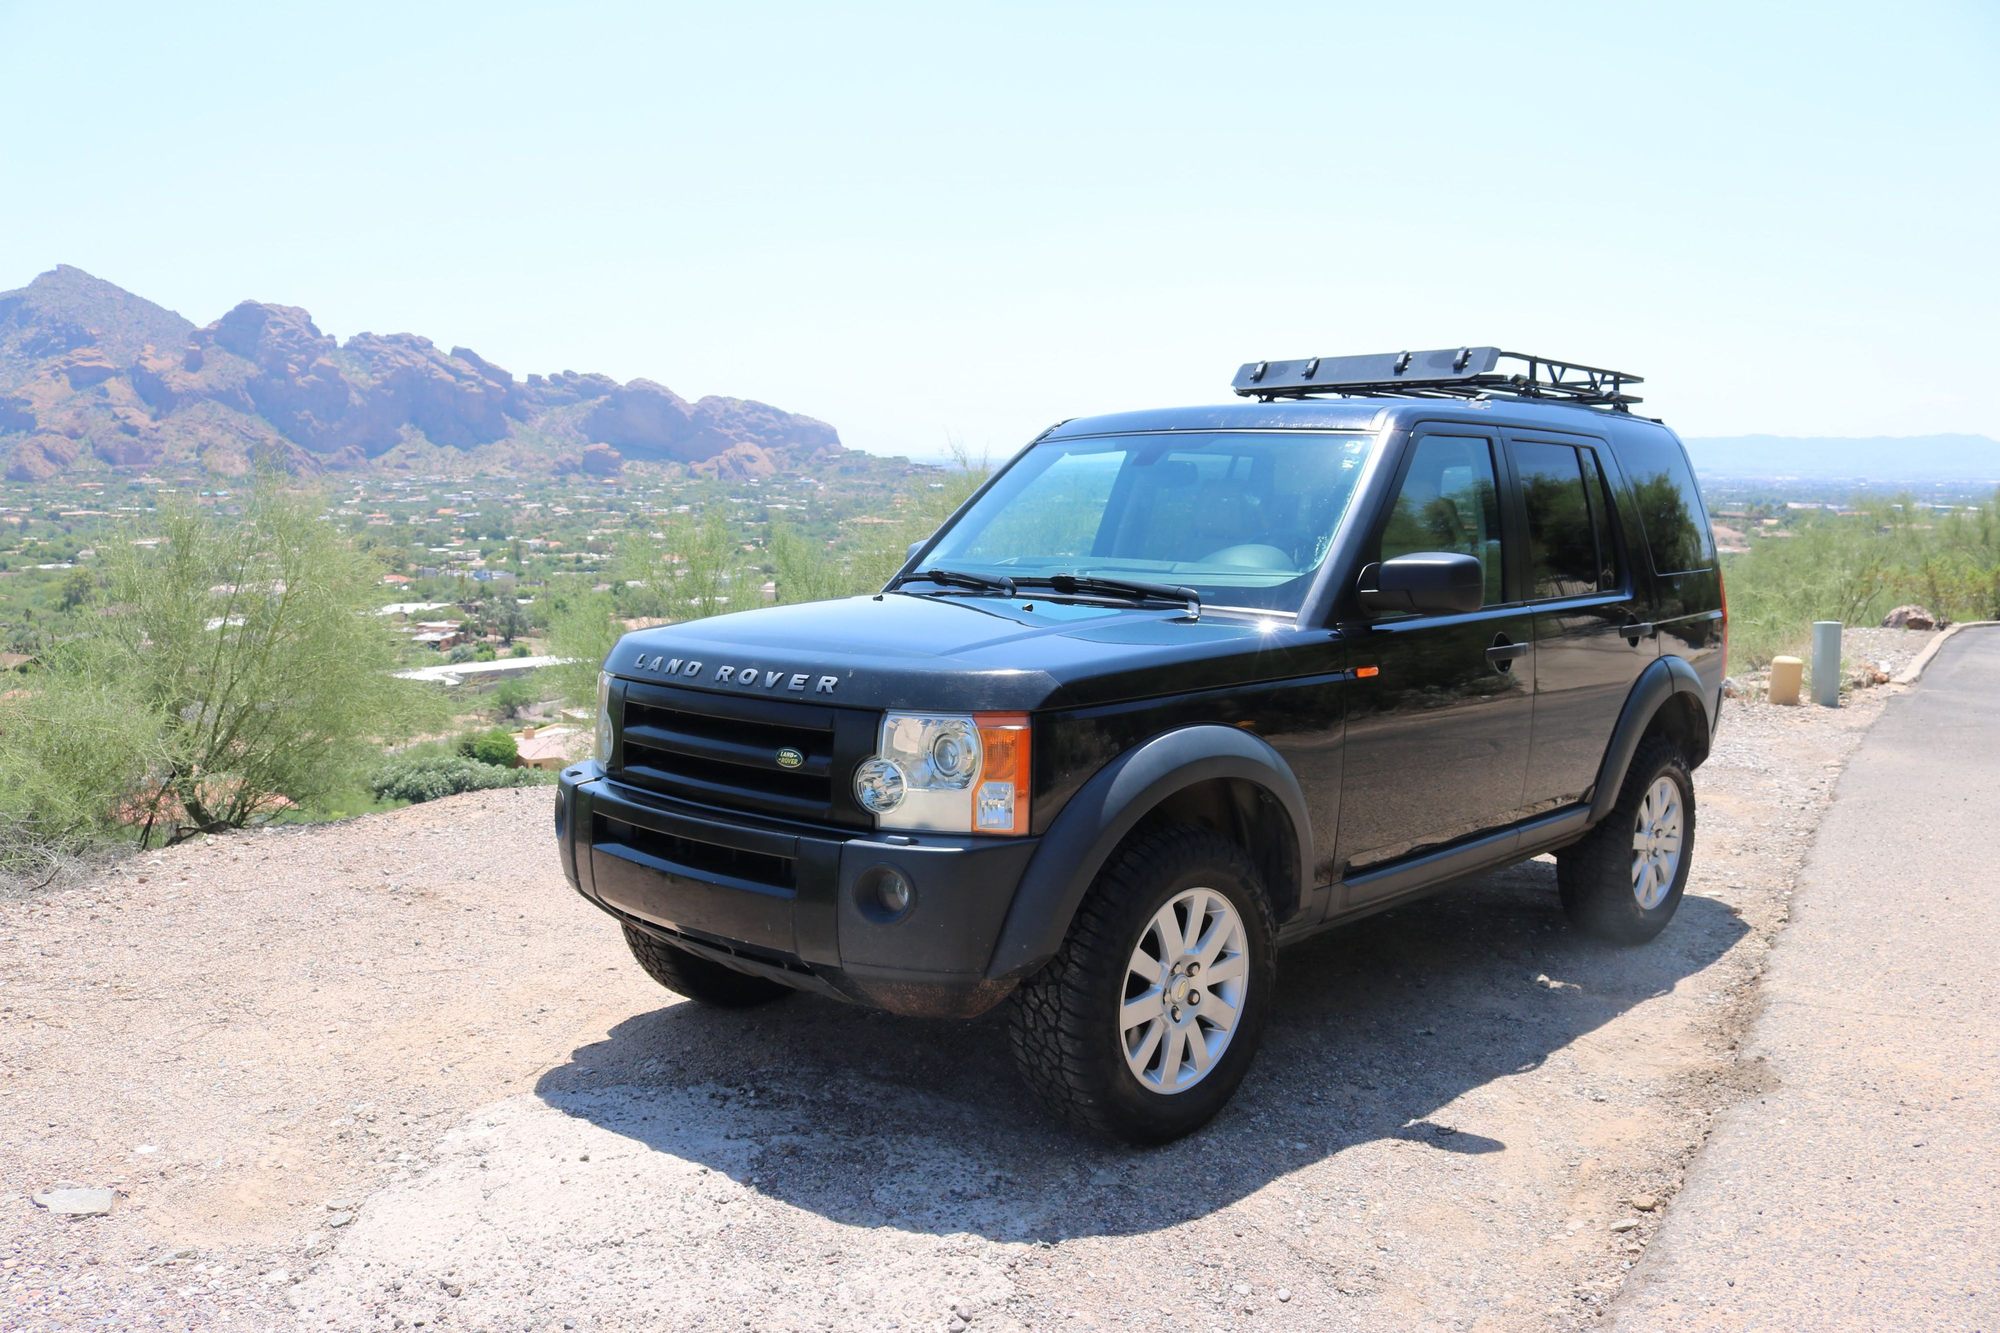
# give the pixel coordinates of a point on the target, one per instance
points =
(248, 638)
(493, 746)
(1855, 567)
(74, 757)
(582, 629)
(514, 696)
(429, 777)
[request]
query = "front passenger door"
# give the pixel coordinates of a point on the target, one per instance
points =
(1437, 737)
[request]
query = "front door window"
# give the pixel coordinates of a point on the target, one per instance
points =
(1449, 501)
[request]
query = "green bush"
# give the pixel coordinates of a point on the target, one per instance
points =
(228, 674)
(428, 777)
(1854, 567)
(513, 696)
(493, 746)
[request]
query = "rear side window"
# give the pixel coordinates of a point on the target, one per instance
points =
(1566, 538)
(1670, 511)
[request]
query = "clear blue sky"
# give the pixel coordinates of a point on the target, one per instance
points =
(934, 221)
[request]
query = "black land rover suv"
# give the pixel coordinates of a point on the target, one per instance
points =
(1175, 688)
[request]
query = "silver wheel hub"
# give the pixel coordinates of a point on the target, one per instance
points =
(1656, 842)
(1184, 989)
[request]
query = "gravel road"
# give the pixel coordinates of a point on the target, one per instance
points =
(392, 1073)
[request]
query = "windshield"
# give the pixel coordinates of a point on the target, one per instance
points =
(1245, 519)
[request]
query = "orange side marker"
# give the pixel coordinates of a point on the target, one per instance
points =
(1365, 672)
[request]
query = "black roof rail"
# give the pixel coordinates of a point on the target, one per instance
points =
(1460, 372)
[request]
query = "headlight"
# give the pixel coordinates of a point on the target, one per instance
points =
(602, 747)
(948, 773)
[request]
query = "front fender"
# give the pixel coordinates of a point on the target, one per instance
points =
(1659, 682)
(1107, 808)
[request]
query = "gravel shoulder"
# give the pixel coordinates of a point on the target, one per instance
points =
(391, 1072)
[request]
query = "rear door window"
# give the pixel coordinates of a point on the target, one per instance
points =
(1670, 510)
(1563, 550)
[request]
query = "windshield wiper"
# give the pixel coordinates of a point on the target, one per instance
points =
(1137, 590)
(958, 578)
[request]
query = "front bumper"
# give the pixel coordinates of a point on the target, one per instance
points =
(790, 901)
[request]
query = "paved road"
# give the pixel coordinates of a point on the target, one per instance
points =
(1862, 1190)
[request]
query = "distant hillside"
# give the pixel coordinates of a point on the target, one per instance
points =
(92, 376)
(1878, 459)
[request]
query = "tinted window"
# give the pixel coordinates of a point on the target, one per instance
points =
(1562, 538)
(1600, 519)
(1677, 534)
(1244, 518)
(1448, 502)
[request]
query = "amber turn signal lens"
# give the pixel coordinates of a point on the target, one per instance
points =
(1000, 797)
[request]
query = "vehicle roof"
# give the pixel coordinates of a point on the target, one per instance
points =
(1369, 414)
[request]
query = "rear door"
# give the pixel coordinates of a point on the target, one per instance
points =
(1438, 727)
(1591, 642)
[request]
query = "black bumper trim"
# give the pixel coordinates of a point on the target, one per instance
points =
(814, 930)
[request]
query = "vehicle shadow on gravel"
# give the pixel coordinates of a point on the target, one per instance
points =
(875, 1121)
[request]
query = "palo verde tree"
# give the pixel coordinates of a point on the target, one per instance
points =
(247, 641)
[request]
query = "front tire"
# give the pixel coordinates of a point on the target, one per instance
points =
(1624, 880)
(1148, 1017)
(698, 978)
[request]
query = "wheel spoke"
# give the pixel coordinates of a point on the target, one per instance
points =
(1213, 940)
(1147, 967)
(1669, 843)
(1172, 943)
(1227, 969)
(1218, 1011)
(1140, 1009)
(1170, 1054)
(1642, 841)
(1142, 1054)
(1197, 1042)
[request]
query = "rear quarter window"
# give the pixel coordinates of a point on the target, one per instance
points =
(1670, 510)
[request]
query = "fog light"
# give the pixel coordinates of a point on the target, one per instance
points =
(893, 892)
(884, 893)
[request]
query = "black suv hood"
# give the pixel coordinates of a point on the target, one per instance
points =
(902, 650)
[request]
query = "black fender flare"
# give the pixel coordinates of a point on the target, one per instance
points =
(1657, 684)
(1107, 808)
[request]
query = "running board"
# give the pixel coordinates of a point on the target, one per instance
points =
(1375, 889)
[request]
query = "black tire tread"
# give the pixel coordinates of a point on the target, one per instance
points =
(1594, 875)
(1055, 1042)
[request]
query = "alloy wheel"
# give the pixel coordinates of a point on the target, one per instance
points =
(1656, 843)
(1184, 990)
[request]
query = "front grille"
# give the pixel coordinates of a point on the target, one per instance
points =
(704, 857)
(722, 750)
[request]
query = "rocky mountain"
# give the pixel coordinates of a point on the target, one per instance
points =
(92, 376)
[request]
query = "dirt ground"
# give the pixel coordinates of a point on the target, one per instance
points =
(393, 1073)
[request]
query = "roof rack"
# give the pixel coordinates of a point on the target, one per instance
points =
(1463, 372)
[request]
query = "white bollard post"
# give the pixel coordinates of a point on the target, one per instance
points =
(1826, 662)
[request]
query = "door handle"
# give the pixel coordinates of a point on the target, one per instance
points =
(1644, 629)
(1503, 652)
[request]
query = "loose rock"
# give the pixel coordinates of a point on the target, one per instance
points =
(76, 1200)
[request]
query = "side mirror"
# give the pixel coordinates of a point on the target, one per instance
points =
(1429, 583)
(915, 547)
